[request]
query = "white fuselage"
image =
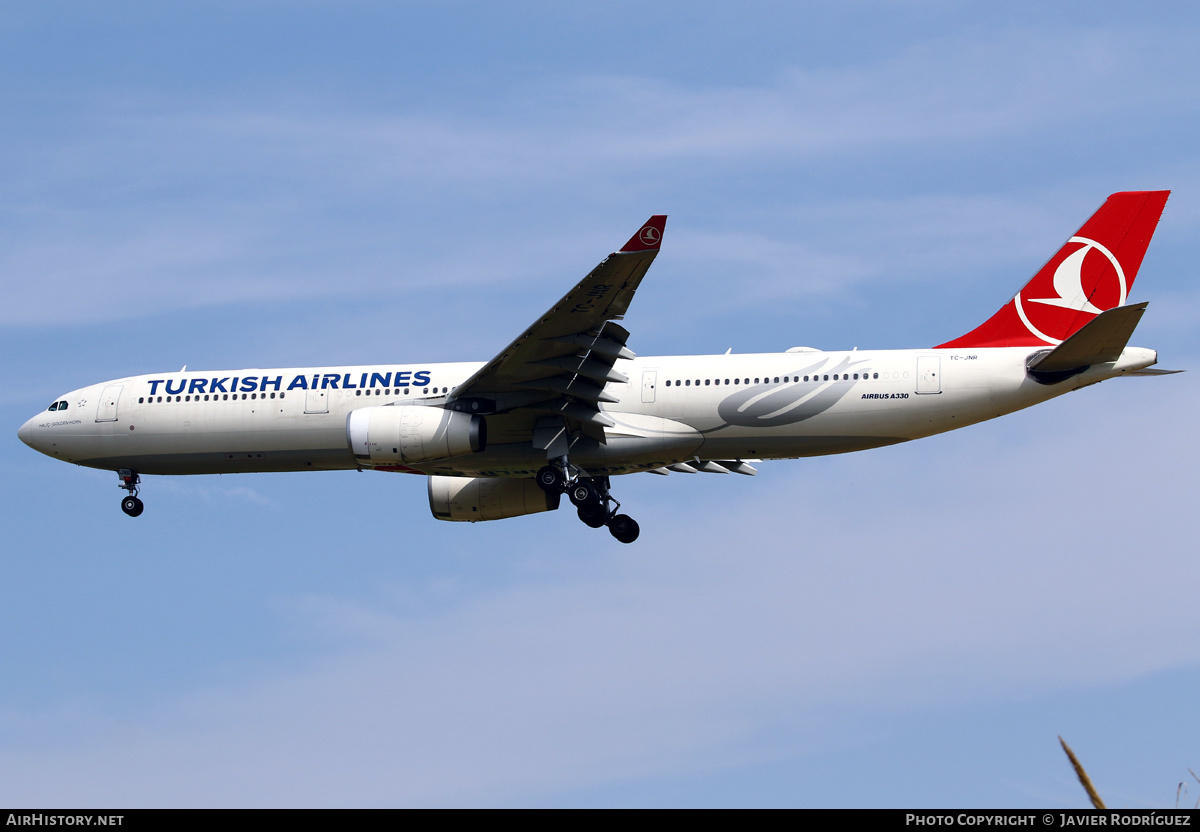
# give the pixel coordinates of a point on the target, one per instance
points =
(673, 409)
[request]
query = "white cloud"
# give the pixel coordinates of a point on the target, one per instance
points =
(156, 206)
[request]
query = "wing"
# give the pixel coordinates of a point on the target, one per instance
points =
(558, 366)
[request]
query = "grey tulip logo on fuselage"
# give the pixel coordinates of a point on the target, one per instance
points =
(769, 405)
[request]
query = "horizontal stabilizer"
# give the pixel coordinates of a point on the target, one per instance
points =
(1100, 341)
(1152, 371)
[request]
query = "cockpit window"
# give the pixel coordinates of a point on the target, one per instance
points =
(56, 406)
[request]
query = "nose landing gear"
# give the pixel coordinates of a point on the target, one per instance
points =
(131, 505)
(595, 506)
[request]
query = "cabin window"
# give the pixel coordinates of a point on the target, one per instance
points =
(707, 382)
(756, 381)
(776, 379)
(688, 383)
(877, 375)
(736, 380)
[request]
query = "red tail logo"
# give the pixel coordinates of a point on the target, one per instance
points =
(1091, 273)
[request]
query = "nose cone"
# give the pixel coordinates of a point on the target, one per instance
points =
(25, 433)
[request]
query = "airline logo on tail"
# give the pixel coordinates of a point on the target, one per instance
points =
(1090, 265)
(1090, 274)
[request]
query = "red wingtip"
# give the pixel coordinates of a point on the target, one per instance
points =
(649, 236)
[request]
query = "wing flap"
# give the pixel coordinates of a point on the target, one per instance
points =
(576, 388)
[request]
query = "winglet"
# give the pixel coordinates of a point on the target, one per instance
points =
(648, 237)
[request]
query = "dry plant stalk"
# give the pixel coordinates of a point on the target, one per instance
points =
(1083, 777)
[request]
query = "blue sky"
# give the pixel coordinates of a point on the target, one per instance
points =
(280, 184)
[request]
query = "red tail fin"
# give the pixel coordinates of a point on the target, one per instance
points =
(1090, 274)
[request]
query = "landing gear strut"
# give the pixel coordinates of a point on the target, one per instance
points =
(131, 505)
(595, 506)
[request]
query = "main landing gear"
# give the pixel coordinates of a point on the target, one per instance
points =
(131, 505)
(591, 499)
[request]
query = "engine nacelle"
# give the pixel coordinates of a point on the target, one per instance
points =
(411, 434)
(472, 499)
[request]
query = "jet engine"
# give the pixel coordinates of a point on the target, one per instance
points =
(411, 434)
(487, 498)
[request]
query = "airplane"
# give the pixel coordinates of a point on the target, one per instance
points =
(567, 405)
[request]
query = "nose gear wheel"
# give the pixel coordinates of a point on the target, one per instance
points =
(130, 480)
